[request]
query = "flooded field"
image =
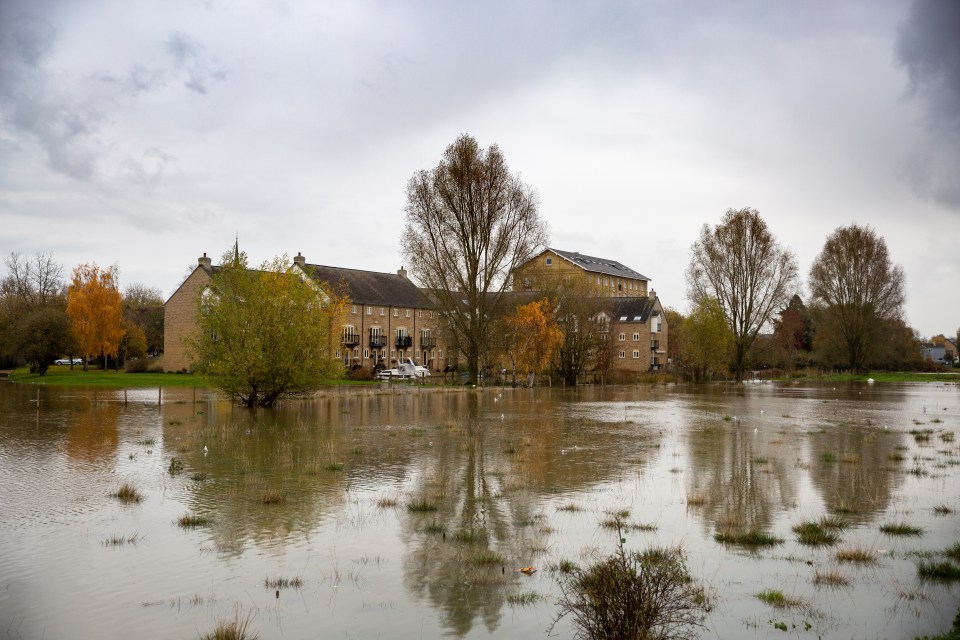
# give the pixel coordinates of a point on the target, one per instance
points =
(407, 514)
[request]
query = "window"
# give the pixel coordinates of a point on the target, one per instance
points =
(622, 354)
(356, 353)
(393, 353)
(636, 354)
(606, 282)
(598, 279)
(353, 309)
(407, 312)
(369, 311)
(396, 313)
(419, 313)
(656, 325)
(338, 354)
(623, 318)
(441, 353)
(366, 354)
(431, 314)
(636, 337)
(549, 261)
(623, 336)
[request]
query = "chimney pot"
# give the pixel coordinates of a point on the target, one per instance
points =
(299, 259)
(402, 272)
(204, 261)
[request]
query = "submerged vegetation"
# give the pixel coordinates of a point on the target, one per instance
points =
(752, 538)
(127, 493)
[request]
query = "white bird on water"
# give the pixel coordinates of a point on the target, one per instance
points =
(204, 449)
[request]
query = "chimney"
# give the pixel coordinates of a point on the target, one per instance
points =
(653, 293)
(299, 259)
(204, 261)
(402, 272)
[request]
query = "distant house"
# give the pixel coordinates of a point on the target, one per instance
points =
(636, 328)
(951, 350)
(936, 353)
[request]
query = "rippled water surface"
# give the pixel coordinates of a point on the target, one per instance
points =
(407, 514)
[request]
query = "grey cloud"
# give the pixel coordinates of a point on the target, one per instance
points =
(929, 49)
(29, 101)
(191, 58)
(138, 79)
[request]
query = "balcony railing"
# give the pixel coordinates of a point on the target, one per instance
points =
(351, 339)
(428, 342)
(377, 340)
(404, 342)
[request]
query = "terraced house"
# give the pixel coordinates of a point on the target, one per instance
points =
(387, 319)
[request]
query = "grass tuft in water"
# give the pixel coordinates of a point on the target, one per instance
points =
(335, 466)
(570, 506)
(119, 541)
(953, 551)
(468, 536)
(830, 578)
(236, 629)
(901, 529)
(127, 493)
(199, 476)
(815, 533)
(190, 520)
(387, 503)
(696, 499)
(753, 538)
(283, 583)
(857, 554)
(436, 528)
(778, 599)
(564, 566)
(488, 559)
(421, 505)
(828, 456)
(944, 571)
(147, 442)
(272, 497)
(524, 598)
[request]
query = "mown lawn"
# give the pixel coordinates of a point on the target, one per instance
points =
(61, 375)
(895, 376)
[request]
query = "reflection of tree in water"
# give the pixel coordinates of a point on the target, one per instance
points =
(852, 470)
(92, 432)
(742, 476)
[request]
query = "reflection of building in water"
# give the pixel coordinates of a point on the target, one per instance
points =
(92, 432)
(742, 478)
(851, 469)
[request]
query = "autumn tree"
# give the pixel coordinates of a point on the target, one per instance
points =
(266, 334)
(742, 266)
(708, 342)
(95, 308)
(469, 223)
(858, 288)
(532, 336)
(33, 312)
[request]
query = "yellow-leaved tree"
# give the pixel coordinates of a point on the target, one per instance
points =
(532, 337)
(95, 308)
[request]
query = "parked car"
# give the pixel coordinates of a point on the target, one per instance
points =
(67, 361)
(406, 370)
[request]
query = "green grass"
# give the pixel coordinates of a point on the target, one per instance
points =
(754, 538)
(188, 521)
(778, 599)
(821, 532)
(858, 555)
(901, 529)
(63, 377)
(944, 571)
(283, 583)
(953, 551)
(894, 376)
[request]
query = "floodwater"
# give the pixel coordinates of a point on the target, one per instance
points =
(406, 514)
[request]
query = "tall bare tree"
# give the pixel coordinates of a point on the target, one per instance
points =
(859, 288)
(740, 263)
(469, 223)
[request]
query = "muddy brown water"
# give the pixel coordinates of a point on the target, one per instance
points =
(406, 514)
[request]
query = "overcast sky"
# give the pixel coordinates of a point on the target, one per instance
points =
(146, 133)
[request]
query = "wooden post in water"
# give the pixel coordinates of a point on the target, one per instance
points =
(194, 395)
(124, 396)
(159, 396)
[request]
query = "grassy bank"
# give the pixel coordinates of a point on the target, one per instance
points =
(894, 376)
(62, 376)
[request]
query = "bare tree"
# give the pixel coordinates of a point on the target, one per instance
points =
(469, 223)
(34, 281)
(859, 288)
(750, 274)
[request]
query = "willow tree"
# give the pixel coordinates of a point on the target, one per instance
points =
(469, 223)
(265, 334)
(858, 289)
(740, 263)
(95, 307)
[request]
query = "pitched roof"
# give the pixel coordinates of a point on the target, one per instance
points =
(371, 287)
(633, 309)
(593, 264)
